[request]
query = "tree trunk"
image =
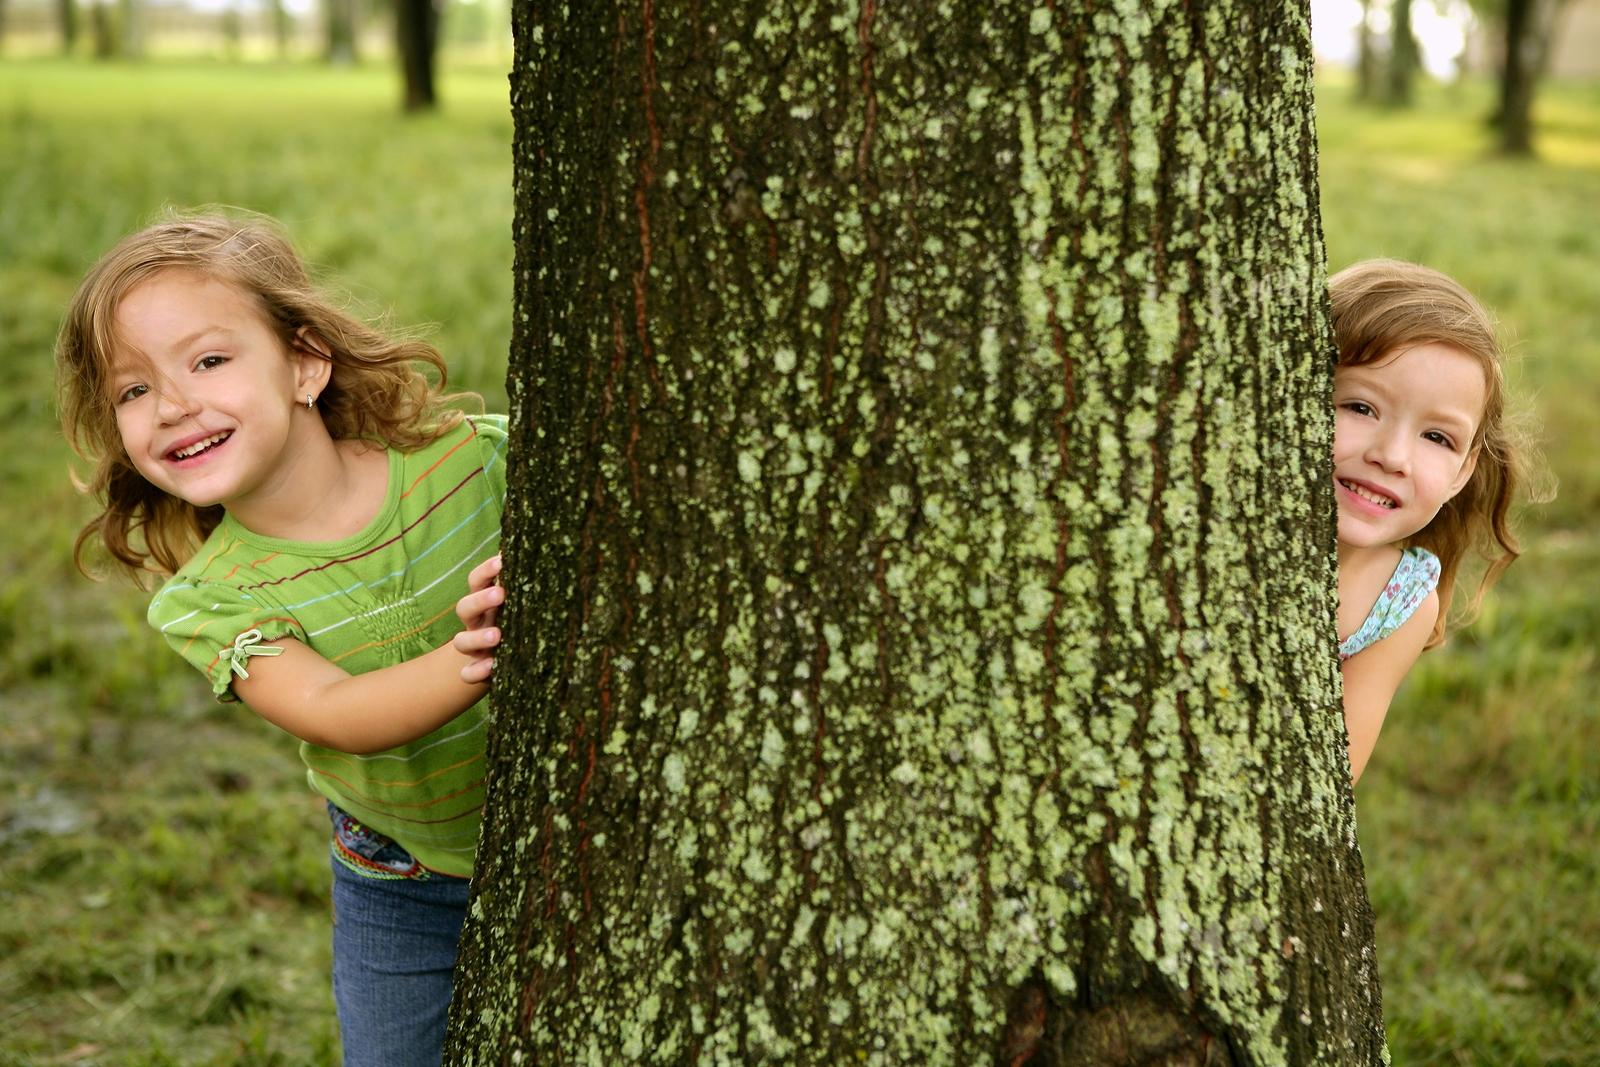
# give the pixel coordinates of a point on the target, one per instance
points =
(417, 33)
(67, 15)
(1366, 55)
(1520, 75)
(340, 22)
(1404, 55)
(132, 35)
(920, 625)
(103, 23)
(282, 26)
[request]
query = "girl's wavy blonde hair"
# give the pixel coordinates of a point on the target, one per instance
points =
(1382, 306)
(377, 389)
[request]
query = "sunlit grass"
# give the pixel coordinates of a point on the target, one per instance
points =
(1481, 809)
(163, 868)
(163, 885)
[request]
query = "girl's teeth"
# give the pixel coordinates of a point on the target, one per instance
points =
(199, 446)
(1360, 491)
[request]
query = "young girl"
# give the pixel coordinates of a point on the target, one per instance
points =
(316, 511)
(1424, 470)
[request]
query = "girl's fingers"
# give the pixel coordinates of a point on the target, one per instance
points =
(471, 642)
(473, 606)
(478, 670)
(483, 575)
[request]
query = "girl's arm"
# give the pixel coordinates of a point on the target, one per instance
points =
(322, 703)
(1372, 675)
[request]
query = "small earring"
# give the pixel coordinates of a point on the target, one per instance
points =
(309, 403)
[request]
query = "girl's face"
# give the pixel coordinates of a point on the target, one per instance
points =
(1402, 442)
(209, 403)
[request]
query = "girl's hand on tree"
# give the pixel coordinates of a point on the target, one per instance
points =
(477, 612)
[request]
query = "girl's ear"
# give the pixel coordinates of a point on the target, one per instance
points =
(315, 361)
(311, 343)
(1464, 475)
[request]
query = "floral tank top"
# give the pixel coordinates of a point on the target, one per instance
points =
(1412, 581)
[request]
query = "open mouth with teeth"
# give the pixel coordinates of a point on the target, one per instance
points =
(200, 447)
(1371, 495)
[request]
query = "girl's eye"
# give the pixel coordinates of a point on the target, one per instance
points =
(1358, 407)
(210, 362)
(133, 392)
(1439, 439)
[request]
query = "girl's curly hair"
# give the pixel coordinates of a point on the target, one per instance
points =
(1382, 306)
(377, 389)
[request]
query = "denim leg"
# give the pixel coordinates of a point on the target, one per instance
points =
(394, 948)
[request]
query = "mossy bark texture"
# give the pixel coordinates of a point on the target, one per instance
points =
(920, 624)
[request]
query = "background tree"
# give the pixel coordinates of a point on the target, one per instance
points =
(920, 636)
(417, 39)
(1366, 55)
(67, 18)
(339, 22)
(131, 28)
(281, 24)
(1526, 29)
(1404, 55)
(104, 24)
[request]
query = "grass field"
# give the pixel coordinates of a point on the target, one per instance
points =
(163, 876)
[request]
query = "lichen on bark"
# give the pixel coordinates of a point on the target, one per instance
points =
(920, 630)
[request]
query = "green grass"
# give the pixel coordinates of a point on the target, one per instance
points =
(178, 914)
(1480, 815)
(163, 880)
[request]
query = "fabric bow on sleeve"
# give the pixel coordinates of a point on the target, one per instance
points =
(246, 645)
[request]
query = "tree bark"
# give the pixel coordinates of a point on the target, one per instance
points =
(417, 34)
(920, 624)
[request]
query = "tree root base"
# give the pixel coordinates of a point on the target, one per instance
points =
(1134, 1031)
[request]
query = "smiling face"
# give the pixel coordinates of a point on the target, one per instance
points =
(1403, 440)
(209, 403)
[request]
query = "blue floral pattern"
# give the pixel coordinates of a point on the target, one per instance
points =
(1412, 581)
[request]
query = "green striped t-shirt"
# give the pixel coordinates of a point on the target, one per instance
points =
(384, 596)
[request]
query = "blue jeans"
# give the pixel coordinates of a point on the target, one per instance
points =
(394, 951)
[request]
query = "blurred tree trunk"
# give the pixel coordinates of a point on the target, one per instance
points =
(67, 16)
(339, 17)
(103, 23)
(417, 36)
(1366, 57)
(1404, 56)
(920, 632)
(132, 29)
(282, 26)
(1526, 26)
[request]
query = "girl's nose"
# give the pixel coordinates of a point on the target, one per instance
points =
(172, 407)
(1388, 450)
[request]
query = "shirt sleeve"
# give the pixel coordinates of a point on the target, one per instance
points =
(492, 443)
(215, 627)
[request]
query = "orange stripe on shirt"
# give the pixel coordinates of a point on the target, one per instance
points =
(253, 565)
(374, 801)
(396, 637)
(373, 781)
(442, 458)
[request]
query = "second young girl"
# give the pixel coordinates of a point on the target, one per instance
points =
(1424, 472)
(325, 526)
